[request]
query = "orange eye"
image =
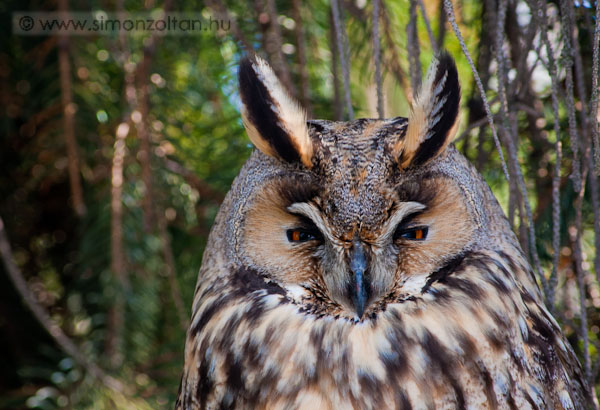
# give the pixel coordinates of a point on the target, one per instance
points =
(303, 235)
(418, 233)
(295, 236)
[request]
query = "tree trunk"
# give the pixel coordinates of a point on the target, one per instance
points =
(68, 108)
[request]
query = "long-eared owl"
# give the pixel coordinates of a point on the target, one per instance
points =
(367, 265)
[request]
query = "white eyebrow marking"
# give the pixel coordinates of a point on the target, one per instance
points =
(405, 208)
(314, 214)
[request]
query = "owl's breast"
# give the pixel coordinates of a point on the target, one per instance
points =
(259, 347)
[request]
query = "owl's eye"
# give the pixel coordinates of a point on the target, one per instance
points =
(303, 235)
(417, 233)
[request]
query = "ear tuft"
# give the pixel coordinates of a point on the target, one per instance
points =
(274, 121)
(433, 121)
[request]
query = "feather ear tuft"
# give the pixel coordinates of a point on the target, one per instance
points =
(274, 121)
(433, 120)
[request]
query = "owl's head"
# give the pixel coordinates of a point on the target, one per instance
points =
(348, 216)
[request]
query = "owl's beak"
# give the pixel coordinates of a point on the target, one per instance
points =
(360, 288)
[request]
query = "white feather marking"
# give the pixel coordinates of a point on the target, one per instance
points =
(405, 208)
(418, 119)
(440, 86)
(259, 142)
(296, 292)
(426, 112)
(414, 284)
(535, 394)
(524, 329)
(292, 116)
(565, 400)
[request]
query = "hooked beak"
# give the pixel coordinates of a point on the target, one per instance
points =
(360, 287)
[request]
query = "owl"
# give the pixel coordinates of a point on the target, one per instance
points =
(367, 265)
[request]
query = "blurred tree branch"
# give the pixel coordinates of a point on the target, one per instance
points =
(377, 57)
(221, 10)
(205, 190)
(274, 48)
(116, 314)
(338, 109)
(302, 63)
(61, 339)
(393, 61)
(414, 50)
(171, 271)
(341, 40)
(68, 108)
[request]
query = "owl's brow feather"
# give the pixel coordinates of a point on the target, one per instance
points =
(403, 210)
(311, 212)
(423, 188)
(297, 189)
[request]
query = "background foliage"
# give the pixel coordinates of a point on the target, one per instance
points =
(116, 151)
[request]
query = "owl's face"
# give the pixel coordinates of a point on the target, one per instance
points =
(358, 213)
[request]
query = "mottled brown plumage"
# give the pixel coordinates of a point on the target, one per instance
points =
(367, 265)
